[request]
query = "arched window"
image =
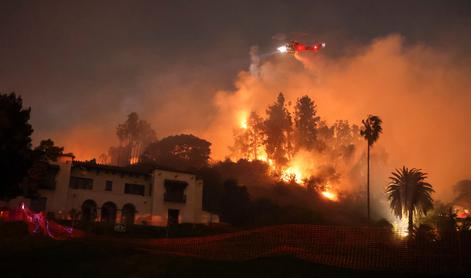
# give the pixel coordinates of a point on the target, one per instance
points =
(89, 211)
(128, 213)
(108, 212)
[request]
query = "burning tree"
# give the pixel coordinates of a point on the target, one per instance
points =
(278, 129)
(134, 136)
(298, 150)
(306, 122)
(249, 139)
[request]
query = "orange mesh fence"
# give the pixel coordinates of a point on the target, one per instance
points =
(350, 247)
(367, 248)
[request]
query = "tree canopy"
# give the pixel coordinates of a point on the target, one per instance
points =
(15, 143)
(371, 129)
(409, 193)
(306, 122)
(184, 151)
(278, 130)
(42, 174)
(134, 136)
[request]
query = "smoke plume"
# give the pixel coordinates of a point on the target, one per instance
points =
(422, 94)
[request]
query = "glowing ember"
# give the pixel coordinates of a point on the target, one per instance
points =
(329, 195)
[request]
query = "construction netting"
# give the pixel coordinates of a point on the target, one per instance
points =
(350, 247)
(367, 248)
(38, 224)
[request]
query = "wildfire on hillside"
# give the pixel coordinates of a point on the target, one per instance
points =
(300, 168)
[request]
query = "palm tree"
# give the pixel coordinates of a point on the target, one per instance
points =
(370, 131)
(408, 193)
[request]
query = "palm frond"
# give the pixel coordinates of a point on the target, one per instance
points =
(407, 189)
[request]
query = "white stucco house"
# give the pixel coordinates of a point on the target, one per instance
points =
(106, 193)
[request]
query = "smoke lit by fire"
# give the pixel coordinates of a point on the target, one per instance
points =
(411, 87)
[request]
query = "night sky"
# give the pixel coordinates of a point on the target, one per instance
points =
(84, 65)
(61, 55)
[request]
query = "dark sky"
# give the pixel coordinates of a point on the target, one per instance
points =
(96, 61)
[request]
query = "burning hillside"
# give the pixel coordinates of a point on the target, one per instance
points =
(298, 146)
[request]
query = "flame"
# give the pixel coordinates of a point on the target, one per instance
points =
(330, 195)
(243, 124)
(299, 168)
(292, 173)
(242, 117)
(400, 227)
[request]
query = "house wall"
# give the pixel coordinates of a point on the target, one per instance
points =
(150, 208)
(76, 197)
(56, 199)
(190, 211)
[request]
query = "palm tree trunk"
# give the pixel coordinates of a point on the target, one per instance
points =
(411, 222)
(368, 183)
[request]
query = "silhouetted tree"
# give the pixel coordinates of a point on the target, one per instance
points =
(306, 121)
(184, 151)
(249, 173)
(443, 219)
(46, 150)
(42, 174)
(134, 136)
(325, 136)
(235, 204)
(256, 135)
(278, 132)
(371, 130)
(15, 144)
(213, 189)
(344, 140)
(408, 192)
(240, 149)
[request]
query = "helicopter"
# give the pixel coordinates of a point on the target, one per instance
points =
(293, 47)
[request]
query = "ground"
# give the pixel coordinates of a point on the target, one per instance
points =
(82, 259)
(25, 256)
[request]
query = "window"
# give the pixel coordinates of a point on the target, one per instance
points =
(109, 186)
(175, 191)
(173, 217)
(137, 189)
(80, 183)
(48, 179)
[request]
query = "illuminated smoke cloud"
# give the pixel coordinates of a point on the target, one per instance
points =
(420, 93)
(254, 61)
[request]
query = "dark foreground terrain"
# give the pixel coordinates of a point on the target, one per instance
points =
(22, 255)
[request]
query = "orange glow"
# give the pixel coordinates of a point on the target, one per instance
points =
(400, 226)
(329, 195)
(242, 117)
(292, 173)
(243, 124)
